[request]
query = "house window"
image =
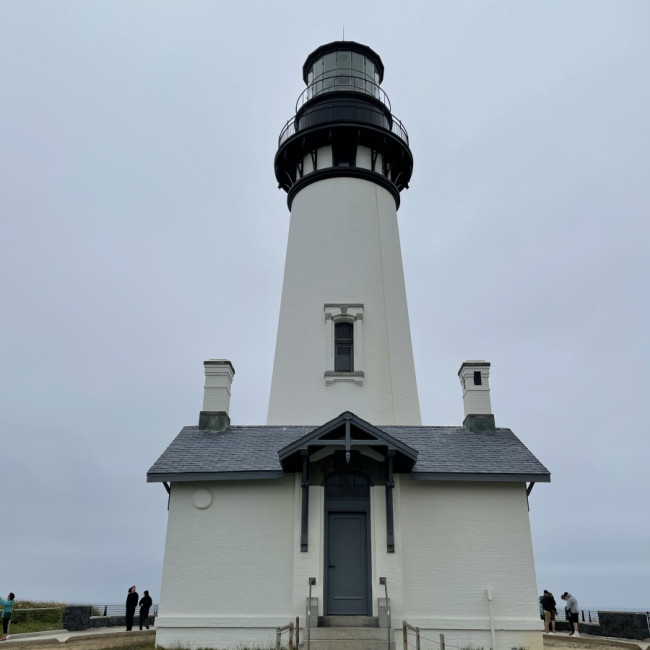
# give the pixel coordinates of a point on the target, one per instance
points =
(477, 378)
(343, 343)
(343, 347)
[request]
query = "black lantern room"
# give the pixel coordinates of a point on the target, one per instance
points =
(343, 107)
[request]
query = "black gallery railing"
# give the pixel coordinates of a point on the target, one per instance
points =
(343, 112)
(339, 82)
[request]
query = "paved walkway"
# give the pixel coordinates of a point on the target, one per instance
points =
(63, 636)
(51, 637)
(563, 640)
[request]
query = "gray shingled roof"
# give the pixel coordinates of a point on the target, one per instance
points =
(444, 453)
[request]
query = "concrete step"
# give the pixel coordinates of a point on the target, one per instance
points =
(341, 644)
(348, 638)
(347, 621)
(349, 633)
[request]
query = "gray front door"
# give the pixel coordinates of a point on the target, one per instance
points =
(347, 547)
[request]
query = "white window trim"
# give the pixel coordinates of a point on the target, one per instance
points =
(350, 313)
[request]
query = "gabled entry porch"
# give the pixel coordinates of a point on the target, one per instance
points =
(347, 457)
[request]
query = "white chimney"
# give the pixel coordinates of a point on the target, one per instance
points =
(219, 374)
(475, 381)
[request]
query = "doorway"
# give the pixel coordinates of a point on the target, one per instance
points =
(347, 545)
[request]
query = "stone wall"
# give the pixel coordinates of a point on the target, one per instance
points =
(624, 625)
(76, 617)
(619, 625)
(117, 621)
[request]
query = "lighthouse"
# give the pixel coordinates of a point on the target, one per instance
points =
(343, 340)
(343, 515)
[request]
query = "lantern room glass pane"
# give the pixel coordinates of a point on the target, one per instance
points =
(358, 63)
(329, 62)
(343, 62)
(343, 70)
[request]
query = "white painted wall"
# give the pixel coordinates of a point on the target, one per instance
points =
(343, 248)
(227, 566)
(459, 539)
(233, 570)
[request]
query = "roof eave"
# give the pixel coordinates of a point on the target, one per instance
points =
(177, 477)
(476, 477)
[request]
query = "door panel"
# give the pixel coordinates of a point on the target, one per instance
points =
(348, 588)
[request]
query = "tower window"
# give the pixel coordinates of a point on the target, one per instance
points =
(477, 378)
(343, 347)
(343, 343)
(344, 154)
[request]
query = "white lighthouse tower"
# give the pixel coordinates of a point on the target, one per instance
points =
(344, 341)
(343, 513)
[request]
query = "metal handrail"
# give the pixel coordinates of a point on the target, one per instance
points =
(585, 615)
(312, 582)
(117, 610)
(336, 84)
(384, 581)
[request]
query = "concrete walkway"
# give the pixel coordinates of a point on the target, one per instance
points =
(52, 637)
(33, 639)
(562, 639)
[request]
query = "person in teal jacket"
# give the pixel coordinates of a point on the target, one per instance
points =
(7, 607)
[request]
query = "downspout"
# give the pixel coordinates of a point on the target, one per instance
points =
(488, 593)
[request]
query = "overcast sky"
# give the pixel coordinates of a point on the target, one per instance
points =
(143, 232)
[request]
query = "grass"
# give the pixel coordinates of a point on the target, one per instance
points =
(48, 617)
(40, 616)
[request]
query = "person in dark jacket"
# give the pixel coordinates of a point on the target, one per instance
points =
(131, 604)
(549, 606)
(145, 605)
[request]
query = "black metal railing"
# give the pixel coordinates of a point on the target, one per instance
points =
(117, 610)
(585, 615)
(341, 112)
(337, 82)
